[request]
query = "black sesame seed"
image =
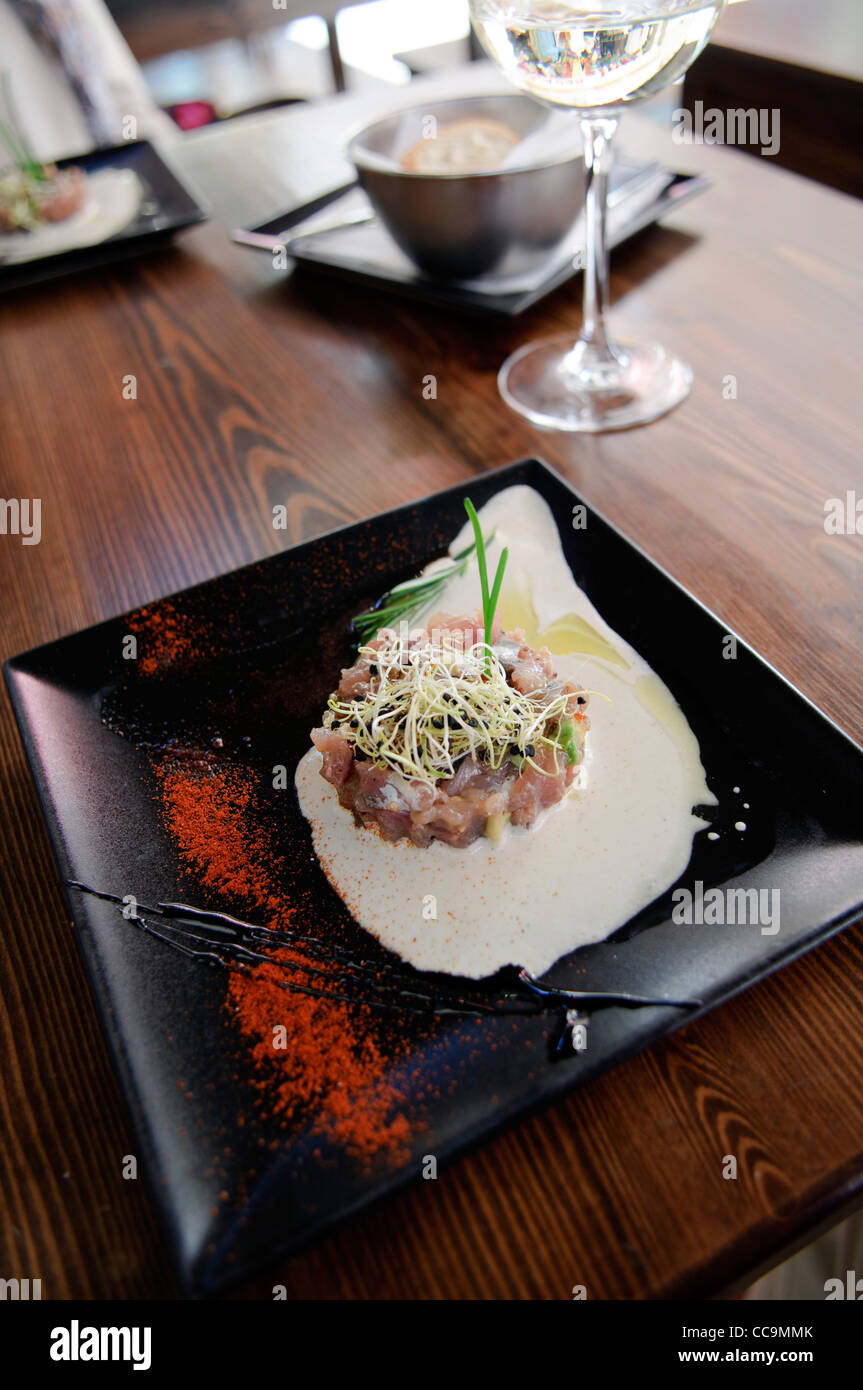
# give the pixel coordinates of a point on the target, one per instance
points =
(582, 700)
(473, 723)
(529, 751)
(373, 670)
(437, 723)
(514, 749)
(355, 723)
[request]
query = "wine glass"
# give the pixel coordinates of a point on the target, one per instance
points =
(594, 59)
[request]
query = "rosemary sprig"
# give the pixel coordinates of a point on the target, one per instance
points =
(489, 598)
(406, 601)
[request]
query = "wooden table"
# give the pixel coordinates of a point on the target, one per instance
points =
(801, 59)
(256, 388)
(824, 35)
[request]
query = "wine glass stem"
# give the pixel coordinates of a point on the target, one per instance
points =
(597, 134)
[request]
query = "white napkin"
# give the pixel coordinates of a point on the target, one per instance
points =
(555, 138)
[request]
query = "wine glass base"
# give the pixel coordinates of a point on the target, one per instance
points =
(561, 385)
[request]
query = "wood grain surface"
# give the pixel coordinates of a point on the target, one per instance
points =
(825, 35)
(256, 387)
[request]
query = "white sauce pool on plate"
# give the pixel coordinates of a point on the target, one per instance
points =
(622, 836)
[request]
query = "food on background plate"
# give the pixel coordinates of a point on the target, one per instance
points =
(452, 888)
(111, 200)
(45, 210)
(31, 193)
(473, 146)
(29, 199)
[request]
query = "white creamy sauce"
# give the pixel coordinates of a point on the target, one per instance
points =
(621, 837)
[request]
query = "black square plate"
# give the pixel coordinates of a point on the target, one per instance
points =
(229, 679)
(166, 207)
(365, 254)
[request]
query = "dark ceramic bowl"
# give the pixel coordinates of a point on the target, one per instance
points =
(458, 226)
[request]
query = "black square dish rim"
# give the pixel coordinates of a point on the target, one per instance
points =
(680, 189)
(526, 463)
(200, 1278)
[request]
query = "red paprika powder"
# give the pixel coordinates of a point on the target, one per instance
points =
(318, 1061)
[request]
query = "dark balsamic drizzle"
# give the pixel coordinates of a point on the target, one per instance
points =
(220, 939)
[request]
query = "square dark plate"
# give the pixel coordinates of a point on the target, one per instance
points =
(346, 254)
(167, 206)
(244, 667)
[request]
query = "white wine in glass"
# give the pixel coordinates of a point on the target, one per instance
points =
(594, 59)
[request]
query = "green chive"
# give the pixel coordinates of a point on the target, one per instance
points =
(489, 600)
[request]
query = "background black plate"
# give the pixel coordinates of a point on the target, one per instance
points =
(166, 207)
(270, 638)
(323, 253)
